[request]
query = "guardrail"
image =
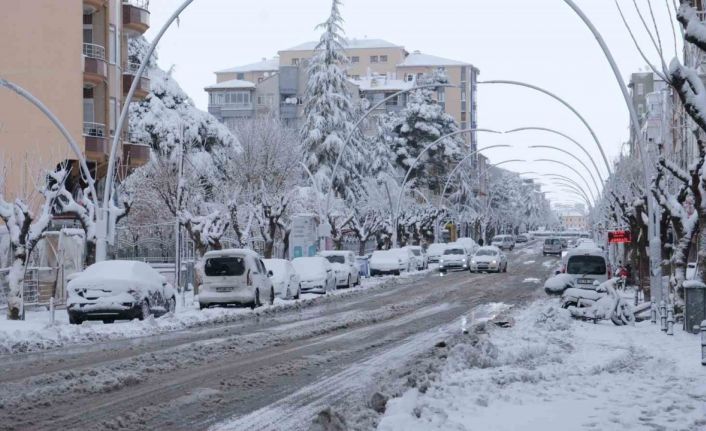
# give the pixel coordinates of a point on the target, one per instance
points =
(93, 50)
(94, 129)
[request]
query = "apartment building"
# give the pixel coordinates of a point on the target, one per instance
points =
(71, 55)
(376, 69)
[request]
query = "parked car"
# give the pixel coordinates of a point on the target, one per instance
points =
(392, 261)
(489, 258)
(118, 289)
(434, 251)
(235, 276)
(316, 274)
(420, 258)
(521, 238)
(284, 278)
(344, 266)
(503, 242)
(552, 246)
(470, 244)
(587, 266)
(456, 256)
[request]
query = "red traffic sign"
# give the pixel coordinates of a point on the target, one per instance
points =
(619, 236)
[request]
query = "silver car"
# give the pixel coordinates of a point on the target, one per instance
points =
(489, 258)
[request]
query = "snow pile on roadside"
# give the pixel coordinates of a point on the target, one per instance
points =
(554, 373)
(36, 333)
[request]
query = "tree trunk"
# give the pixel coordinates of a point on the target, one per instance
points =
(16, 279)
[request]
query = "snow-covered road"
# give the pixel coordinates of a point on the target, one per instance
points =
(266, 370)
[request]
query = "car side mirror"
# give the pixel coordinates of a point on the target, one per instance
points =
(270, 273)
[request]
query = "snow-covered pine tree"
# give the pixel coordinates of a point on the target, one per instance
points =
(422, 122)
(328, 110)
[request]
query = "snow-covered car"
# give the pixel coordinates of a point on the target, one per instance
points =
(469, 243)
(235, 276)
(420, 258)
(316, 274)
(557, 284)
(392, 261)
(344, 266)
(521, 238)
(118, 289)
(489, 258)
(503, 242)
(284, 278)
(434, 251)
(456, 256)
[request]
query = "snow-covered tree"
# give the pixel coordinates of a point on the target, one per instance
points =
(328, 109)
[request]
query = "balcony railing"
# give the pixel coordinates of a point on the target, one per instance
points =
(142, 4)
(94, 129)
(131, 68)
(234, 106)
(92, 50)
(136, 16)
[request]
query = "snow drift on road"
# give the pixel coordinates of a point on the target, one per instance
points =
(549, 372)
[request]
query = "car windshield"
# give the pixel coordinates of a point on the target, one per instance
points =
(453, 251)
(416, 252)
(486, 253)
(552, 242)
(591, 265)
(336, 259)
(225, 266)
(499, 239)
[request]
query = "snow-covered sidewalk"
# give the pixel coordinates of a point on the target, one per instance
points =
(37, 333)
(549, 372)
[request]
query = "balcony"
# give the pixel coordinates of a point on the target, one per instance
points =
(136, 16)
(96, 140)
(143, 86)
(135, 155)
(287, 111)
(95, 68)
(92, 6)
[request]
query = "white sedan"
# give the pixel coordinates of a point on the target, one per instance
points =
(392, 261)
(315, 274)
(118, 289)
(489, 258)
(344, 266)
(284, 278)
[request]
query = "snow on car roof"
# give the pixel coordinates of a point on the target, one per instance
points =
(231, 252)
(335, 252)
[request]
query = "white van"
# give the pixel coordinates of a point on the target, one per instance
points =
(586, 266)
(235, 276)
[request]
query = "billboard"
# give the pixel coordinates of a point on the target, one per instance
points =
(304, 236)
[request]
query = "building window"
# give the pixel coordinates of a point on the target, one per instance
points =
(419, 75)
(373, 58)
(89, 115)
(239, 76)
(383, 59)
(463, 116)
(441, 95)
(88, 33)
(295, 62)
(410, 77)
(463, 95)
(640, 89)
(463, 73)
(260, 100)
(355, 59)
(392, 101)
(113, 114)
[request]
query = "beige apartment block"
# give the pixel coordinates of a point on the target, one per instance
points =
(71, 55)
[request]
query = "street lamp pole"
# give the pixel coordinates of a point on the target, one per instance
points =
(653, 226)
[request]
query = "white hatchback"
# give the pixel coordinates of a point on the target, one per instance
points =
(344, 265)
(316, 274)
(235, 276)
(284, 278)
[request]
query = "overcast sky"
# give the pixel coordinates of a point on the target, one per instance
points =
(539, 41)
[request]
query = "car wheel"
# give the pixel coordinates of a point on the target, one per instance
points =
(171, 305)
(107, 321)
(289, 293)
(73, 320)
(145, 310)
(256, 301)
(299, 292)
(202, 306)
(272, 296)
(349, 284)
(397, 273)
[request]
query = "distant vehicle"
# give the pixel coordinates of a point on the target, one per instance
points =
(489, 258)
(564, 242)
(285, 279)
(434, 251)
(470, 244)
(552, 246)
(118, 289)
(235, 276)
(587, 266)
(420, 258)
(345, 267)
(521, 238)
(503, 242)
(455, 257)
(392, 261)
(316, 274)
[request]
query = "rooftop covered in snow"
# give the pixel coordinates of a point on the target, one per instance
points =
(265, 65)
(381, 83)
(349, 44)
(418, 59)
(233, 83)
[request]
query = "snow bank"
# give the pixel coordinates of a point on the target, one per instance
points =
(553, 373)
(558, 284)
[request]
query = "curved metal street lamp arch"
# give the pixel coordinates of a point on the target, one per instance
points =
(573, 192)
(595, 184)
(563, 102)
(566, 185)
(568, 180)
(588, 187)
(569, 138)
(85, 172)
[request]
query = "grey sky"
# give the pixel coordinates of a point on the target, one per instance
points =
(540, 41)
